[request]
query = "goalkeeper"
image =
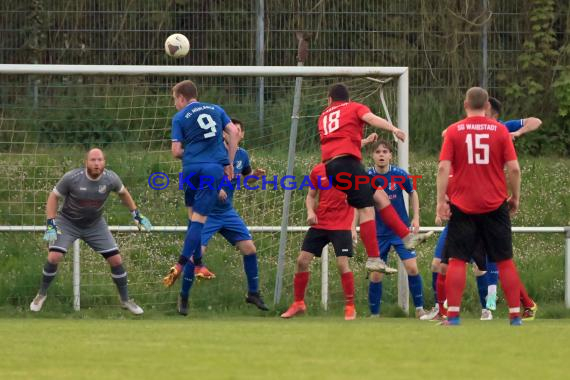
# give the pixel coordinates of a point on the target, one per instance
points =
(85, 191)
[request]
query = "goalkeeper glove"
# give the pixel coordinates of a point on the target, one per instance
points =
(51, 231)
(141, 221)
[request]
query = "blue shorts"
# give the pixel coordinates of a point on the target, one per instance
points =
(386, 242)
(438, 254)
(229, 224)
(205, 180)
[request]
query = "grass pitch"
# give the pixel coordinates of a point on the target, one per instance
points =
(271, 348)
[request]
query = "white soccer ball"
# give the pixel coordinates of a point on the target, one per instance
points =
(177, 45)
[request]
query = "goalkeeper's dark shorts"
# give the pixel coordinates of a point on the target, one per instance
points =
(316, 239)
(348, 169)
(478, 236)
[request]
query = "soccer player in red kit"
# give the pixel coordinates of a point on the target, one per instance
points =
(340, 128)
(330, 218)
(478, 148)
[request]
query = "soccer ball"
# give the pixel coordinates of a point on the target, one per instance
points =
(177, 45)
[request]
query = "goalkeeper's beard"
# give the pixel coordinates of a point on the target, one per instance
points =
(94, 173)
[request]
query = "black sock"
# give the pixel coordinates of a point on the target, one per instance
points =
(119, 276)
(49, 272)
(182, 260)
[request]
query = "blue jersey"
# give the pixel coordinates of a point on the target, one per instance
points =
(199, 126)
(241, 167)
(393, 182)
(513, 125)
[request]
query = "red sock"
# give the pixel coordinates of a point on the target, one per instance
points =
(347, 280)
(368, 237)
(525, 299)
(510, 282)
(299, 285)
(440, 286)
(454, 286)
(391, 218)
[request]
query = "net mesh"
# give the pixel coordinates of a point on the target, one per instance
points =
(49, 121)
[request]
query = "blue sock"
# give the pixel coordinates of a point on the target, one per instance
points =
(187, 279)
(251, 272)
(482, 288)
(416, 289)
(434, 285)
(193, 240)
(374, 297)
(492, 273)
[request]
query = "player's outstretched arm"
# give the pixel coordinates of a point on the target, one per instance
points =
(51, 212)
(442, 210)
(377, 122)
(529, 124)
(311, 204)
(514, 184)
(373, 137)
(140, 220)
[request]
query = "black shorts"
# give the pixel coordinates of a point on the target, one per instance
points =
(476, 236)
(349, 169)
(316, 239)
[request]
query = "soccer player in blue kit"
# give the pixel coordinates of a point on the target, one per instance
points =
(394, 179)
(224, 219)
(197, 140)
(486, 281)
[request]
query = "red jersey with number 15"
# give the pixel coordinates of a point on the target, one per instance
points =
(340, 129)
(333, 211)
(478, 148)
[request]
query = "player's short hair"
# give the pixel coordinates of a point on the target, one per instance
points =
(496, 105)
(476, 98)
(187, 89)
(383, 142)
(237, 121)
(339, 92)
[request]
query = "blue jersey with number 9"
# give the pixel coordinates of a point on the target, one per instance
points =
(199, 126)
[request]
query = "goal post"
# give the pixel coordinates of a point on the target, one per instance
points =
(139, 115)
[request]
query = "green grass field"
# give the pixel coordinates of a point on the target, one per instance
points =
(260, 348)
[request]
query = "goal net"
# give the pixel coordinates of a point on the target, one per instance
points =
(49, 119)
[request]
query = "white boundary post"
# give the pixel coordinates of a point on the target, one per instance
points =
(325, 277)
(403, 162)
(567, 272)
(76, 277)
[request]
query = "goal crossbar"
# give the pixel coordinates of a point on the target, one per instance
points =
(255, 71)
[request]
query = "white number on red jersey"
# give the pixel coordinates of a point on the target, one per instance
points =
(331, 122)
(478, 153)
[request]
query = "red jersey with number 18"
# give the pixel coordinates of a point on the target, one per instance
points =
(478, 148)
(340, 129)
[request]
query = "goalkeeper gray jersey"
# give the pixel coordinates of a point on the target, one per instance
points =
(85, 197)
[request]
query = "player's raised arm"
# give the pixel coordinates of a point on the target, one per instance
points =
(529, 124)
(380, 123)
